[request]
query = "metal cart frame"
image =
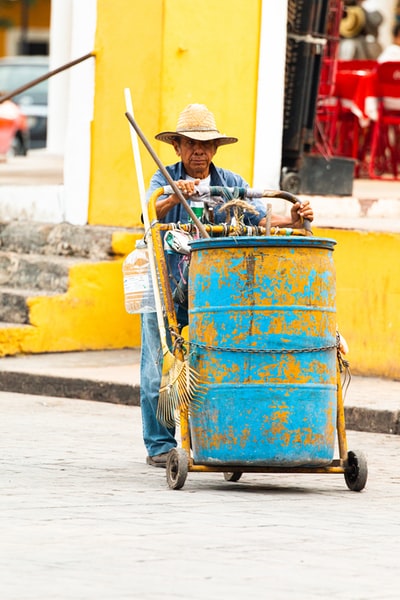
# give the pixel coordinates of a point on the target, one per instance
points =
(351, 463)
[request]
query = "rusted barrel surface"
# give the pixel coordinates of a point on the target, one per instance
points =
(262, 328)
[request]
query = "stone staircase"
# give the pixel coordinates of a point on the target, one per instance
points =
(55, 283)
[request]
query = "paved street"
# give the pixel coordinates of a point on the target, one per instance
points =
(82, 517)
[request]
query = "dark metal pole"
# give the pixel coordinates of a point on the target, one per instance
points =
(44, 77)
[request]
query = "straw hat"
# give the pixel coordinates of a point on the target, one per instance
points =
(197, 123)
(353, 22)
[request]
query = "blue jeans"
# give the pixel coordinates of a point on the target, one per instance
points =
(157, 438)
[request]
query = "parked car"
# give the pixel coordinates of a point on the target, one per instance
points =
(16, 71)
(14, 131)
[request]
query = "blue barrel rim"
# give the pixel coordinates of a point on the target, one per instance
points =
(294, 241)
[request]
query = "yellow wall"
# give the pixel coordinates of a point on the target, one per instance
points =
(128, 54)
(173, 52)
(169, 53)
(368, 299)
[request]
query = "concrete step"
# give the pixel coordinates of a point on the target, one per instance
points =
(66, 271)
(6, 327)
(36, 272)
(13, 303)
(61, 239)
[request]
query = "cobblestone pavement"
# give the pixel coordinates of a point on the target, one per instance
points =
(83, 517)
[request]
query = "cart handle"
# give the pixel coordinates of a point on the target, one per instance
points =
(242, 192)
(221, 230)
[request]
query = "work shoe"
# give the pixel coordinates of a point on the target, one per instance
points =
(160, 460)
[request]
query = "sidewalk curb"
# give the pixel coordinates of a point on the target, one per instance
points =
(67, 387)
(372, 420)
(357, 418)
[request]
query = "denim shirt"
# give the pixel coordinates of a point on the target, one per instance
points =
(178, 214)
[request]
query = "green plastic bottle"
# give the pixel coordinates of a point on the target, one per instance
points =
(197, 207)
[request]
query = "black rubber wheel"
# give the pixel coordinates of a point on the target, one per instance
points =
(233, 476)
(291, 182)
(356, 471)
(177, 468)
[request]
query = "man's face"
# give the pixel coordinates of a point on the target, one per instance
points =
(195, 155)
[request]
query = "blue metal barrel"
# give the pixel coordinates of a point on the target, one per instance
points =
(262, 330)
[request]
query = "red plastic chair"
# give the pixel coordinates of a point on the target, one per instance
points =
(347, 133)
(356, 65)
(326, 110)
(385, 144)
(326, 117)
(348, 128)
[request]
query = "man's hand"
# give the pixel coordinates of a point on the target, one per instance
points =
(299, 212)
(187, 187)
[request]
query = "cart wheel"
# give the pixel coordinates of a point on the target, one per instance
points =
(356, 471)
(291, 182)
(177, 468)
(233, 476)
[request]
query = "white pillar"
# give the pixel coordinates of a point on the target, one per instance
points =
(270, 95)
(60, 52)
(80, 113)
(71, 96)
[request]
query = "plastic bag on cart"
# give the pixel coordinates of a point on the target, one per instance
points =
(180, 294)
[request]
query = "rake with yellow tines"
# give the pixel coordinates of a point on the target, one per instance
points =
(179, 381)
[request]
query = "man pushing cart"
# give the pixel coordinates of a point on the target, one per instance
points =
(257, 385)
